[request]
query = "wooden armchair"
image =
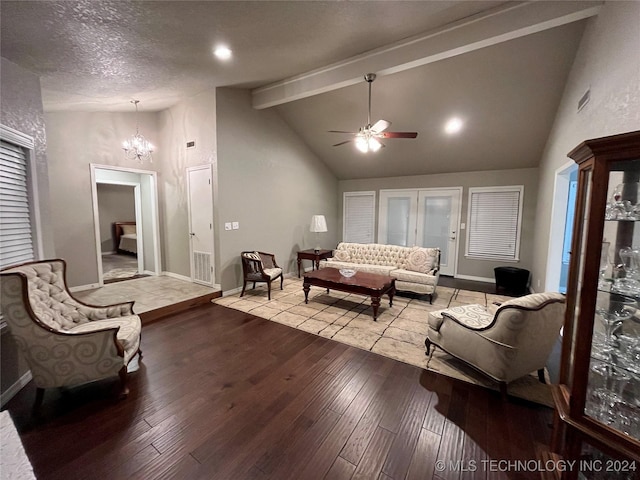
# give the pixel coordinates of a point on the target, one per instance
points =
(65, 341)
(260, 267)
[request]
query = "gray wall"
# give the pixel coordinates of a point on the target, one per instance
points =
(74, 141)
(21, 109)
(469, 267)
(609, 63)
(193, 119)
(116, 203)
(271, 183)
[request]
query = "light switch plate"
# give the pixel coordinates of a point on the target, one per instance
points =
(227, 226)
(463, 226)
(236, 225)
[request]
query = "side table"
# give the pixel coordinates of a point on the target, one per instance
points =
(315, 256)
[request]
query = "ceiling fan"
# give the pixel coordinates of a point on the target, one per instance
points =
(366, 138)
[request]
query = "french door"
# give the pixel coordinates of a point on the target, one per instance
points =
(423, 217)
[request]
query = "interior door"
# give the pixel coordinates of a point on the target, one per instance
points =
(397, 222)
(200, 186)
(438, 224)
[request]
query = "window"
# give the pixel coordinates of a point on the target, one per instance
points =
(494, 222)
(18, 242)
(358, 217)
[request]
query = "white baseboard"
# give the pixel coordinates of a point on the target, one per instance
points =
(149, 272)
(176, 275)
(233, 291)
(15, 388)
(108, 253)
(476, 279)
(81, 288)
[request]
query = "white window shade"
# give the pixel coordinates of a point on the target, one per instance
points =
(16, 242)
(494, 223)
(358, 217)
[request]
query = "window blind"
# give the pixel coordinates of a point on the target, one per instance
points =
(16, 242)
(358, 217)
(494, 222)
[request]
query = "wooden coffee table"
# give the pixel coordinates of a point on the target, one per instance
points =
(362, 283)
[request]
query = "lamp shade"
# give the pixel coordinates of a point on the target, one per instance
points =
(318, 224)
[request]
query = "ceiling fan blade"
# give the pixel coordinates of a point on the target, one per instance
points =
(341, 131)
(342, 143)
(397, 134)
(380, 126)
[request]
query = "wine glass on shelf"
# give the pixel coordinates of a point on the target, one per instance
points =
(612, 314)
(607, 384)
(604, 263)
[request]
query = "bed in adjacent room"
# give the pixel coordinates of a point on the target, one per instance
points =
(126, 237)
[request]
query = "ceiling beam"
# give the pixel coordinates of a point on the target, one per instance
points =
(502, 24)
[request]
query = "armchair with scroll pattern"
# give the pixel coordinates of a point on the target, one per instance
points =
(504, 342)
(66, 342)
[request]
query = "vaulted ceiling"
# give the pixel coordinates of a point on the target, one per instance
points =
(504, 84)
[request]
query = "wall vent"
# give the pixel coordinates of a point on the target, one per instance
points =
(584, 99)
(202, 267)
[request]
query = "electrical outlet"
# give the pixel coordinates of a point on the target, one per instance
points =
(463, 226)
(236, 225)
(227, 226)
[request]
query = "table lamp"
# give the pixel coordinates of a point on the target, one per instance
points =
(318, 224)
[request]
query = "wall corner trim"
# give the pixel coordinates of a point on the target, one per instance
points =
(15, 388)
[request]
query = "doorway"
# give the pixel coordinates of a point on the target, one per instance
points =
(426, 217)
(125, 209)
(561, 227)
(122, 250)
(200, 192)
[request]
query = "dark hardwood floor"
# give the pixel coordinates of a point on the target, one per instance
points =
(222, 394)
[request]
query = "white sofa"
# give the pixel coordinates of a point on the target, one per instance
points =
(415, 269)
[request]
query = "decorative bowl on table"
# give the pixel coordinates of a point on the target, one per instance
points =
(347, 272)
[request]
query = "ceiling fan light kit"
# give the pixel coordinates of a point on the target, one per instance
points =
(367, 137)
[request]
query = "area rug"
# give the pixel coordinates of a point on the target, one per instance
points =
(14, 463)
(398, 333)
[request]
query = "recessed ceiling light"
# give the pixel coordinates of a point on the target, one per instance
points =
(222, 52)
(454, 125)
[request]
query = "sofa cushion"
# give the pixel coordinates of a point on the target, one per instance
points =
(421, 259)
(359, 267)
(128, 334)
(379, 269)
(435, 319)
(475, 317)
(414, 277)
(341, 255)
(375, 253)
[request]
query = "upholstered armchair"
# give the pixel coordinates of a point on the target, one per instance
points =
(504, 342)
(65, 341)
(260, 267)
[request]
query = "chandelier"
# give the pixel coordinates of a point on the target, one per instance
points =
(137, 147)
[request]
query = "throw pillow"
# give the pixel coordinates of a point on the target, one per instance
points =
(128, 229)
(419, 260)
(341, 255)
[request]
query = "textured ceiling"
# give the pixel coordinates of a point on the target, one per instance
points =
(95, 55)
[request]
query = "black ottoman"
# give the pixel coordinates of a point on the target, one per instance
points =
(512, 280)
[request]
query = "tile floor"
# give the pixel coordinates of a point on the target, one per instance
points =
(149, 293)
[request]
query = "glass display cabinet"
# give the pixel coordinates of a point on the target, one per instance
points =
(597, 400)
